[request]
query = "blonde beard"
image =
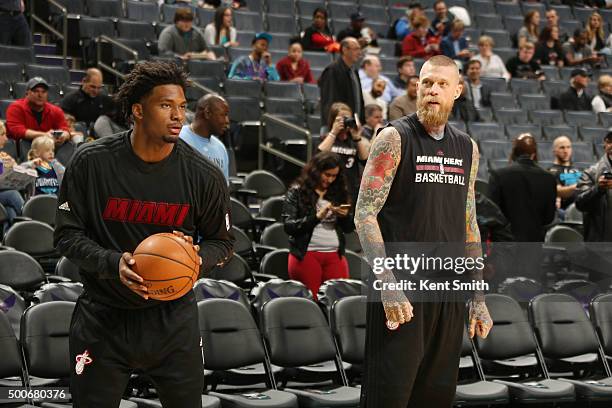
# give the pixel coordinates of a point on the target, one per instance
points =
(431, 118)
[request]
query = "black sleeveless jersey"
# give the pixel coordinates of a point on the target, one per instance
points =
(427, 200)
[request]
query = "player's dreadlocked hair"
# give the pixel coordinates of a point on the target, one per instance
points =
(143, 78)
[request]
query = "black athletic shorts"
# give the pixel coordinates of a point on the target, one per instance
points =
(415, 366)
(108, 344)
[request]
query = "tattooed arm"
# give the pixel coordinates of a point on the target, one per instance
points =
(385, 154)
(480, 320)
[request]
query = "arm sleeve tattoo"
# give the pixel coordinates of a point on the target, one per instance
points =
(473, 246)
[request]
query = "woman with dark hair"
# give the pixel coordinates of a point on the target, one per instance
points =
(529, 31)
(294, 67)
(549, 50)
(318, 36)
(316, 215)
(221, 31)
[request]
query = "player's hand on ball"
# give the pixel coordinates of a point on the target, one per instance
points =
(129, 278)
(189, 239)
(480, 319)
(397, 307)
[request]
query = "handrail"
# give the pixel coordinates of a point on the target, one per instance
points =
(266, 117)
(63, 35)
(106, 67)
(202, 88)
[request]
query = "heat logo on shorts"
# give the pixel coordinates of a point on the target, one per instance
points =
(145, 212)
(81, 361)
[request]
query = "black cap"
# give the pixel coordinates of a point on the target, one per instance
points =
(36, 81)
(357, 17)
(608, 136)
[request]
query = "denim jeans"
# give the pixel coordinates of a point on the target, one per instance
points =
(13, 202)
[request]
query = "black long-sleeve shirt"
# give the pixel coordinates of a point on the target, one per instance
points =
(110, 200)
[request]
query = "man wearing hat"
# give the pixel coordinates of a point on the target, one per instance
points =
(365, 35)
(33, 116)
(258, 64)
(576, 97)
(594, 196)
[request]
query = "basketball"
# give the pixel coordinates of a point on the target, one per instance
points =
(168, 265)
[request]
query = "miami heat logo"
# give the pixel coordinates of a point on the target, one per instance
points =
(81, 361)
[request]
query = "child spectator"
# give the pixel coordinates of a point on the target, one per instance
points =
(50, 171)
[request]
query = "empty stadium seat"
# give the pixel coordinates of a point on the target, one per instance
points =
(495, 149)
(281, 23)
(265, 184)
(283, 90)
(206, 289)
(41, 208)
(272, 208)
(582, 152)
(521, 86)
(11, 72)
(546, 117)
(53, 292)
(232, 342)
(142, 11)
(248, 21)
(501, 100)
(486, 131)
(333, 290)
(348, 325)
(552, 131)
(593, 135)
(483, 7)
(580, 118)
(511, 116)
(67, 269)
(244, 109)
(105, 8)
(500, 37)
(495, 84)
(15, 54)
(487, 21)
(277, 288)
(136, 29)
(531, 102)
(235, 270)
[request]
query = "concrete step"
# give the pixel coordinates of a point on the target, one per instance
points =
(47, 49)
(55, 60)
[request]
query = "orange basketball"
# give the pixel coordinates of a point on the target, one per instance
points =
(168, 265)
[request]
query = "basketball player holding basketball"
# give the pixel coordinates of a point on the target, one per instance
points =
(116, 192)
(416, 365)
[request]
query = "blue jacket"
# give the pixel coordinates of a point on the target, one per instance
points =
(446, 46)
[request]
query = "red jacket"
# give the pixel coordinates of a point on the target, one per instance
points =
(413, 46)
(19, 118)
(286, 73)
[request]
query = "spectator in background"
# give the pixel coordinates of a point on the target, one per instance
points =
(564, 171)
(294, 67)
(524, 192)
(455, 45)
(235, 4)
(258, 64)
(549, 50)
(477, 92)
(375, 96)
(441, 24)
(10, 199)
(41, 157)
(346, 142)
(603, 101)
(463, 108)
(403, 26)
(419, 43)
(491, 65)
(33, 116)
(405, 70)
(578, 52)
(406, 104)
(221, 31)
(370, 71)
(529, 32)
(552, 20)
(318, 36)
(182, 39)
(595, 35)
(374, 121)
(339, 82)
(88, 102)
(359, 30)
(110, 123)
(14, 29)
(316, 215)
(76, 136)
(523, 65)
(594, 197)
(211, 122)
(576, 97)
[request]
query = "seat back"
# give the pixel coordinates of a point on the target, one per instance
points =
(520, 288)
(10, 364)
(31, 237)
(512, 336)
(276, 263)
(333, 290)
(52, 292)
(236, 270)
(601, 316)
(229, 334)
(20, 271)
(296, 332)
(563, 328)
(358, 266)
(67, 269)
(241, 216)
(207, 288)
(580, 289)
(265, 183)
(44, 337)
(348, 323)
(41, 208)
(275, 235)
(563, 234)
(272, 208)
(278, 288)
(12, 306)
